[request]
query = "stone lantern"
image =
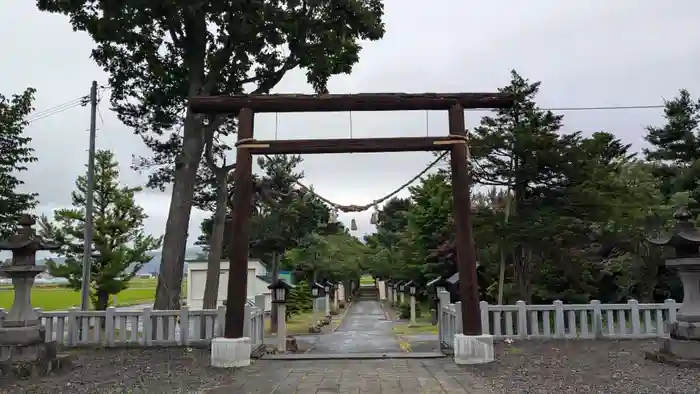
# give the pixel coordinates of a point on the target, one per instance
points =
(683, 346)
(439, 289)
(23, 346)
(280, 294)
(452, 283)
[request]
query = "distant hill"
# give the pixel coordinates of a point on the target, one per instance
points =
(152, 266)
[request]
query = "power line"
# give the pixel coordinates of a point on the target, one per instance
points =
(606, 108)
(82, 101)
(56, 109)
(598, 108)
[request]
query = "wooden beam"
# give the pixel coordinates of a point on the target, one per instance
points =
(357, 145)
(348, 102)
(464, 237)
(240, 233)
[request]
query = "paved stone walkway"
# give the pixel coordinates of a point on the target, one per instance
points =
(365, 328)
(366, 376)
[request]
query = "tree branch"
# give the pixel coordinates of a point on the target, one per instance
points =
(209, 131)
(272, 78)
(174, 30)
(220, 59)
(209, 149)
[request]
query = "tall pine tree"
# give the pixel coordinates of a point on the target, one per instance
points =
(520, 149)
(675, 147)
(119, 243)
(15, 154)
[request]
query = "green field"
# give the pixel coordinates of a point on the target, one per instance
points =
(53, 297)
(366, 280)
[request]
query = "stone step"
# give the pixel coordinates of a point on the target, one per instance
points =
(354, 356)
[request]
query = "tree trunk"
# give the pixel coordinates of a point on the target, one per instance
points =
(275, 276)
(172, 263)
(211, 288)
(501, 278)
(502, 273)
(522, 258)
(101, 300)
(522, 273)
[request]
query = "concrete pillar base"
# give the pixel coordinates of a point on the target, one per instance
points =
(230, 352)
(477, 349)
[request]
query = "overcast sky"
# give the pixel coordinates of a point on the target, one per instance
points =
(586, 53)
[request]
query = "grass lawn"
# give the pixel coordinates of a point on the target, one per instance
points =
(423, 324)
(297, 324)
(421, 327)
(366, 280)
(54, 297)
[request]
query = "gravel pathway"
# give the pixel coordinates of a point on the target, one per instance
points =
(531, 367)
(606, 367)
(157, 370)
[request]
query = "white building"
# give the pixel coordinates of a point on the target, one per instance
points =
(197, 278)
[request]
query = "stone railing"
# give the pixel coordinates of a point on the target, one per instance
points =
(146, 327)
(559, 320)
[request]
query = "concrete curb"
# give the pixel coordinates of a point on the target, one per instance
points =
(386, 312)
(403, 344)
(342, 317)
(353, 356)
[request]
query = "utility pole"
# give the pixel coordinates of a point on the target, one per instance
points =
(87, 240)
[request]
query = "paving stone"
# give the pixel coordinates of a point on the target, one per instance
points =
(367, 376)
(364, 329)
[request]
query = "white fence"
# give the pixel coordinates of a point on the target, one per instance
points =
(559, 320)
(146, 327)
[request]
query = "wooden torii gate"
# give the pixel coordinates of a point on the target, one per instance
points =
(246, 106)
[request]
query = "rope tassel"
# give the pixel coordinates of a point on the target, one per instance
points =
(374, 219)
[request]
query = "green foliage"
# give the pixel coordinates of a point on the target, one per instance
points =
(336, 257)
(159, 54)
(580, 211)
(404, 311)
(300, 300)
(675, 147)
(430, 224)
(15, 154)
(119, 244)
(287, 221)
(284, 216)
(393, 222)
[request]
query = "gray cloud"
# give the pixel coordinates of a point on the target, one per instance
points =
(592, 53)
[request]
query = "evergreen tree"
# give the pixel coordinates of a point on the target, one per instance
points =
(119, 244)
(678, 140)
(430, 224)
(15, 154)
(300, 300)
(519, 149)
(675, 146)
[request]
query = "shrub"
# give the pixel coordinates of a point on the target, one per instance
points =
(405, 311)
(299, 299)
